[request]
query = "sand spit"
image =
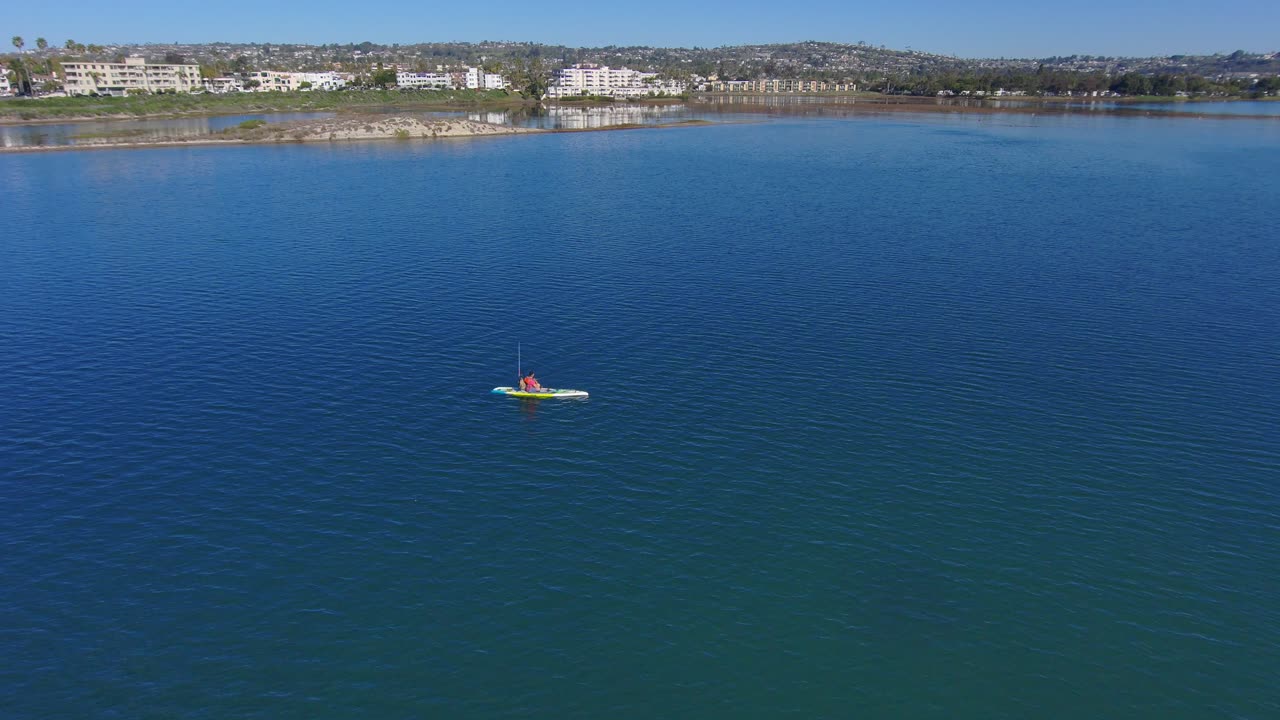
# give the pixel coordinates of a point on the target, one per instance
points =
(377, 127)
(364, 127)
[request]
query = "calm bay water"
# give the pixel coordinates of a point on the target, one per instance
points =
(1225, 107)
(956, 417)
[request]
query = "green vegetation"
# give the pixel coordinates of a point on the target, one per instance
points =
(232, 103)
(383, 78)
(251, 124)
(529, 75)
(1062, 82)
(114, 134)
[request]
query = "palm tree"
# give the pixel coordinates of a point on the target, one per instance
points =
(70, 45)
(43, 45)
(18, 42)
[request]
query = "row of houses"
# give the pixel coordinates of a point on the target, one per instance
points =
(775, 85)
(274, 81)
(136, 75)
(579, 80)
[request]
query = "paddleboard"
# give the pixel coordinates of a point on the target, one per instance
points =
(544, 393)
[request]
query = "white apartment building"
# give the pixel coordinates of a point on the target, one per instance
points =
(223, 85)
(132, 75)
(321, 80)
(269, 81)
(477, 80)
(5, 89)
(276, 81)
(614, 82)
(435, 81)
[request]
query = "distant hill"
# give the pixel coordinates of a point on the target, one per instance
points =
(816, 60)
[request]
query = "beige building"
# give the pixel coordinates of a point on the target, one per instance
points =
(270, 81)
(134, 75)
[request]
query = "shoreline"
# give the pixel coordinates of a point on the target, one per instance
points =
(349, 125)
(915, 102)
(26, 111)
(401, 128)
(337, 112)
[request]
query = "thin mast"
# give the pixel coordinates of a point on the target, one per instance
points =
(519, 369)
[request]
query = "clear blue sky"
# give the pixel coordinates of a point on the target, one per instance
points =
(976, 28)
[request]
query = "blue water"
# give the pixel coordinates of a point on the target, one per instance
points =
(1235, 107)
(953, 417)
(1226, 107)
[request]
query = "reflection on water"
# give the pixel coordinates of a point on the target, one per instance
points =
(98, 131)
(1208, 108)
(1231, 107)
(561, 117)
(550, 118)
(572, 117)
(790, 103)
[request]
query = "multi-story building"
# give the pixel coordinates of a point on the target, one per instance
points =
(269, 81)
(223, 85)
(321, 80)
(436, 81)
(476, 79)
(5, 89)
(613, 82)
(276, 81)
(134, 75)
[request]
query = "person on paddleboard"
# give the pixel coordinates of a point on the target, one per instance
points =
(529, 383)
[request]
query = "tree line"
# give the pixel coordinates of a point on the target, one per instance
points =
(1062, 82)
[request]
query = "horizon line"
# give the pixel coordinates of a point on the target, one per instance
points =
(908, 49)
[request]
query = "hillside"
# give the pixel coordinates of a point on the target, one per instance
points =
(817, 60)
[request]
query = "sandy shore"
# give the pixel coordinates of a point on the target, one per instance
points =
(377, 127)
(366, 127)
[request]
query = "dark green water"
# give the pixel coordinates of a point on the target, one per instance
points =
(904, 418)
